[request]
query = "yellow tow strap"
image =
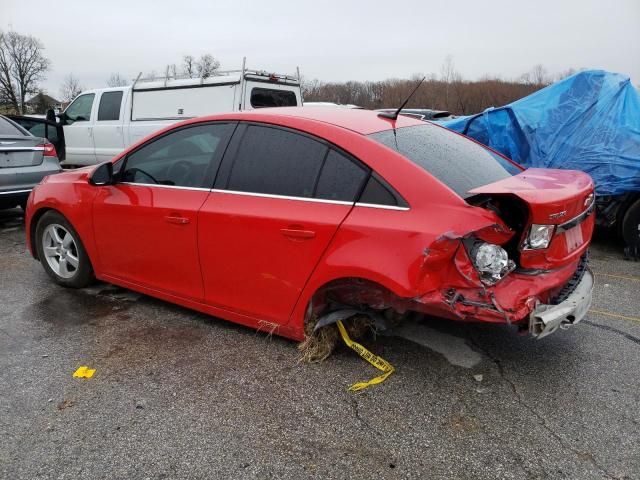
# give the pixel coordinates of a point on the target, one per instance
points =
(376, 361)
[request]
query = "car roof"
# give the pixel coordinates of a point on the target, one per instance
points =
(360, 121)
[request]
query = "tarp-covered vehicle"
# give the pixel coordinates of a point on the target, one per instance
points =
(589, 121)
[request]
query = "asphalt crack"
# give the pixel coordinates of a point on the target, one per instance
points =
(626, 335)
(588, 456)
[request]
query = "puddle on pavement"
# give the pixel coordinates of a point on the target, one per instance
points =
(452, 347)
(66, 307)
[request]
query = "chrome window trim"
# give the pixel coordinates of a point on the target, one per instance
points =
(283, 197)
(175, 187)
(270, 195)
(384, 207)
(16, 191)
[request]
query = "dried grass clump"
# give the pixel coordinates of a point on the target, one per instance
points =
(319, 345)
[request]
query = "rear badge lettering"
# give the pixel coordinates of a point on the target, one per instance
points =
(554, 216)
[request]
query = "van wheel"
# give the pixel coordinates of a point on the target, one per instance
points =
(631, 231)
(61, 252)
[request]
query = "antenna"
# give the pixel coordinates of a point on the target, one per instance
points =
(394, 115)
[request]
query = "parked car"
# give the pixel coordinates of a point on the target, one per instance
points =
(24, 161)
(421, 113)
(275, 217)
(330, 104)
(102, 122)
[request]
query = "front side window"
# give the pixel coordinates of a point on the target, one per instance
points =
(456, 161)
(109, 108)
(278, 162)
(268, 97)
(80, 109)
(182, 158)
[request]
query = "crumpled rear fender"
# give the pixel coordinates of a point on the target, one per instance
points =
(431, 274)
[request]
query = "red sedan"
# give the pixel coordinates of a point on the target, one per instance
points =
(273, 217)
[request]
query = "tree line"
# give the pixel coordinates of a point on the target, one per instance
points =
(446, 91)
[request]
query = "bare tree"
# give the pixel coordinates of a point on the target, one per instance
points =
(71, 88)
(207, 65)
(189, 66)
(447, 74)
(116, 80)
(539, 75)
(22, 66)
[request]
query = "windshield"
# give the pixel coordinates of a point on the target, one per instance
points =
(459, 163)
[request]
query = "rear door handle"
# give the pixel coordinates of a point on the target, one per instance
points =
(296, 233)
(176, 219)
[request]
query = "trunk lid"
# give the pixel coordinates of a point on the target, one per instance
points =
(563, 198)
(20, 151)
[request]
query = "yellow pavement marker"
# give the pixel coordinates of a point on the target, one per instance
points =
(84, 372)
(615, 315)
(376, 361)
(621, 277)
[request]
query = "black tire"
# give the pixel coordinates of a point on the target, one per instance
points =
(631, 231)
(79, 276)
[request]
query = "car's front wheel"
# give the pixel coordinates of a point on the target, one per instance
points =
(61, 252)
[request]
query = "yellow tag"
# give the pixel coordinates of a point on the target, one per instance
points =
(84, 372)
(376, 361)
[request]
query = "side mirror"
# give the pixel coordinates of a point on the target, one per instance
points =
(51, 115)
(63, 118)
(103, 175)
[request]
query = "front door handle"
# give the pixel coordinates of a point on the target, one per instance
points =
(297, 233)
(176, 219)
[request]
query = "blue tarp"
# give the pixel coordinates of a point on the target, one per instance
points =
(589, 121)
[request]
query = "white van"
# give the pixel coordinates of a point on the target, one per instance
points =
(100, 123)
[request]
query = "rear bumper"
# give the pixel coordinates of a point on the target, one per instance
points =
(546, 319)
(17, 182)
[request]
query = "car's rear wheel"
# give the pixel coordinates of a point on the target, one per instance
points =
(631, 231)
(61, 252)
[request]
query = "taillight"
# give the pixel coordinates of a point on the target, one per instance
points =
(49, 150)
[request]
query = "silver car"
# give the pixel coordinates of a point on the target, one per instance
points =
(24, 161)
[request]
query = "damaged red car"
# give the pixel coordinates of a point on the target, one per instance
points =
(276, 217)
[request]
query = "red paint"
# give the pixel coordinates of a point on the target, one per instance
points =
(252, 259)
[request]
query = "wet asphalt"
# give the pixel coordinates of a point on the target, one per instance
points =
(177, 394)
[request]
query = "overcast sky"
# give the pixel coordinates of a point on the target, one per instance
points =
(328, 39)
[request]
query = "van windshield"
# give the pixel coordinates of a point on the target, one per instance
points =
(456, 161)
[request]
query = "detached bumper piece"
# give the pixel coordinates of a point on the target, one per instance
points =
(546, 319)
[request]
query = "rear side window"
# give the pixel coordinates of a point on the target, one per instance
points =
(109, 108)
(267, 97)
(456, 161)
(80, 109)
(8, 128)
(378, 192)
(278, 162)
(341, 178)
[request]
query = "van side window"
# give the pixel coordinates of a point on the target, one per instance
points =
(278, 162)
(109, 108)
(80, 109)
(341, 178)
(267, 97)
(182, 158)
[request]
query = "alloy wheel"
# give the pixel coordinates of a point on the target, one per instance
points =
(60, 250)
